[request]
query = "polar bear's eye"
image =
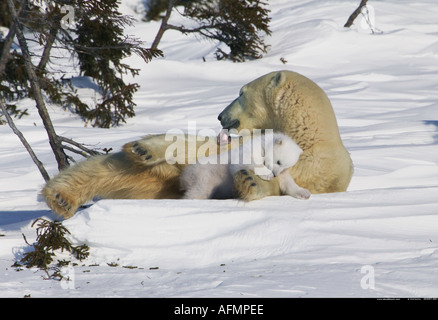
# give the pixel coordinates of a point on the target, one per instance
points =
(278, 162)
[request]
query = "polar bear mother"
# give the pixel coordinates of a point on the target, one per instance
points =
(284, 101)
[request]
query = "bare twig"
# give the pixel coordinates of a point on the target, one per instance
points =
(194, 30)
(23, 140)
(78, 145)
(69, 148)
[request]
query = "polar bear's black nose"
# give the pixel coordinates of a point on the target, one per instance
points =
(226, 121)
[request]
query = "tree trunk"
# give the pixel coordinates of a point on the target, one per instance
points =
(355, 13)
(47, 48)
(55, 144)
(163, 26)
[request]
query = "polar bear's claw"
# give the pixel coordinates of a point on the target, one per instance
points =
(60, 203)
(139, 151)
(142, 152)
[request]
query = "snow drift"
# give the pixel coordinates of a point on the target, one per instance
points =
(383, 88)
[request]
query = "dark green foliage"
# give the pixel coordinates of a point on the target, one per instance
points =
(97, 45)
(5, 17)
(154, 8)
(237, 23)
(101, 47)
(13, 83)
(51, 236)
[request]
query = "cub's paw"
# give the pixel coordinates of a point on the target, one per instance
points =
(267, 176)
(301, 193)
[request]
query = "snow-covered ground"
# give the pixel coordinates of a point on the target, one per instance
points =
(378, 239)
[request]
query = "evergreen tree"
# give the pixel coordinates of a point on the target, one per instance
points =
(154, 9)
(13, 78)
(236, 23)
(97, 44)
(98, 58)
(101, 46)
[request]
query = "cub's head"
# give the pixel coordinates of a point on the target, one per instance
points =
(281, 153)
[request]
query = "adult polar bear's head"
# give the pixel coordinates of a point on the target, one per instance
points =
(287, 102)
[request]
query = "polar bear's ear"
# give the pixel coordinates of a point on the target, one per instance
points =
(278, 79)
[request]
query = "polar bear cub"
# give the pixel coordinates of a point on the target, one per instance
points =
(267, 156)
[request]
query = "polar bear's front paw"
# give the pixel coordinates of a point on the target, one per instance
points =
(248, 186)
(61, 203)
(244, 186)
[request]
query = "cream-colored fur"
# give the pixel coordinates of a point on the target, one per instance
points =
(291, 103)
(112, 177)
(283, 101)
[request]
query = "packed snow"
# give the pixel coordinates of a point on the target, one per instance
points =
(378, 239)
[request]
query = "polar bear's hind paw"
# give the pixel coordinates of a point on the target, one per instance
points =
(141, 153)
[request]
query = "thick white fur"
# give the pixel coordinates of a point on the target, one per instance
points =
(267, 156)
(284, 101)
